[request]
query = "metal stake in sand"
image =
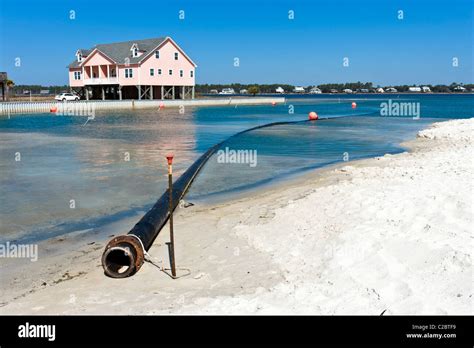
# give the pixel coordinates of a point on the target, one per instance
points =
(170, 188)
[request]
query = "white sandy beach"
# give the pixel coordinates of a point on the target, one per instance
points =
(391, 234)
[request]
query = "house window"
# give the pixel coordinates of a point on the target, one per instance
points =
(79, 57)
(128, 73)
(157, 54)
(191, 73)
(152, 72)
(135, 52)
(159, 71)
(181, 73)
(170, 72)
(113, 73)
(77, 75)
(176, 56)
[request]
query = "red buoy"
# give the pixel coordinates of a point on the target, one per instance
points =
(354, 105)
(273, 103)
(162, 105)
(53, 109)
(313, 116)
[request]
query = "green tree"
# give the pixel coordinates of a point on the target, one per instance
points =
(253, 90)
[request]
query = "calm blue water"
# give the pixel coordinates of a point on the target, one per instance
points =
(74, 177)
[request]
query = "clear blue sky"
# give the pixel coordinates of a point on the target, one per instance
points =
(272, 49)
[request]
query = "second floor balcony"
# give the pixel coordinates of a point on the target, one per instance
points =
(101, 80)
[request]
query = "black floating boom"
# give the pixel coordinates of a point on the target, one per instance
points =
(124, 255)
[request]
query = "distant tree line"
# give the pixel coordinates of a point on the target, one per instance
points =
(262, 88)
(36, 89)
(325, 88)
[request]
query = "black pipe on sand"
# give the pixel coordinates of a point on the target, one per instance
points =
(124, 255)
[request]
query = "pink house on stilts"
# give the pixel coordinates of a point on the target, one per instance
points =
(142, 69)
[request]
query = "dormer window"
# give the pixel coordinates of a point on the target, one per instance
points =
(157, 54)
(79, 56)
(176, 56)
(134, 50)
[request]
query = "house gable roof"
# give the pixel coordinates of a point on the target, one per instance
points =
(119, 52)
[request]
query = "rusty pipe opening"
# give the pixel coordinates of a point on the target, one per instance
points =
(123, 256)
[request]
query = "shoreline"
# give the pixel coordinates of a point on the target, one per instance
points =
(290, 236)
(74, 107)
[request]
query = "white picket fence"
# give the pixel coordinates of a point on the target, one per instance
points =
(7, 108)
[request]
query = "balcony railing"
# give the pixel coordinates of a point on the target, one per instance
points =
(101, 81)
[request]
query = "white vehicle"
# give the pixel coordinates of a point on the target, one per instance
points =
(347, 90)
(280, 90)
(66, 97)
(380, 90)
(315, 90)
(298, 89)
(227, 91)
(391, 90)
(414, 89)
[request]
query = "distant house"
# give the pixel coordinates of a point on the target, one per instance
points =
(298, 89)
(380, 90)
(425, 89)
(414, 89)
(347, 90)
(142, 69)
(315, 90)
(280, 90)
(391, 90)
(227, 91)
(459, 89)
(4, 85)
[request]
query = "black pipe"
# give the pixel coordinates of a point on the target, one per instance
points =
(124, 255)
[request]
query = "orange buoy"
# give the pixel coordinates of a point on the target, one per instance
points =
(162, 105)
(273, 103)
(53, 109)
(313, 116)
(354, 105)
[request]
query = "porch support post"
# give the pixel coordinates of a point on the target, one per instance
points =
(120, 92)
(103, 93)
(162, 92)
(192, 93)
(151, 92)
(173, 96)
(183, 95)
(87, 93)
